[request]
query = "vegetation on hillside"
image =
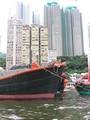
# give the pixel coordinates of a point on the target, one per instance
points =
(2, 60)
(75, 64)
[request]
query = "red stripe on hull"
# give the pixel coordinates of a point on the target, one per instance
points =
(28, 96)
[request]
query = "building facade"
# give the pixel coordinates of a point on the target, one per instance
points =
(52, 19)
(89, 47)
(89, 34)
(35, 18)
(25, 45)
(39, 44)
(35, 43)
(43, 45)
(14, 40)
(23, 12)
(72, 32)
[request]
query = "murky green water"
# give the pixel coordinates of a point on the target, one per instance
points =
(71, 107)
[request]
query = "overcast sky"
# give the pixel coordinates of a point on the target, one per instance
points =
(7, 9)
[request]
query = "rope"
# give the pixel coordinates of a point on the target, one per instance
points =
(53, 73)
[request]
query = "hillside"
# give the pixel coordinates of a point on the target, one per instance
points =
(75, 64)
(2, 60)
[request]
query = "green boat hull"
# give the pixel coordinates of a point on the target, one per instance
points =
(83, 89)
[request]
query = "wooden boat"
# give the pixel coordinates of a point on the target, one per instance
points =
(83, 85)
(32, 83)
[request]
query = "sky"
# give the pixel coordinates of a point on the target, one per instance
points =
(7, 9)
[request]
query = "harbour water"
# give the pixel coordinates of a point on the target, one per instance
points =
(70, 107)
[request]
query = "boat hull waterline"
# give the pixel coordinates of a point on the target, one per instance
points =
(27, 97)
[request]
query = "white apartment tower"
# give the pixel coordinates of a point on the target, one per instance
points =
(35, 43)
(25, 45)
(39, 44)
(89, 46)
(43, 45)
(14, 40)
(89, 33)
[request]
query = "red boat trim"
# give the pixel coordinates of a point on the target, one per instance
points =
(19, 73)
(26, 71)
(28, 96)
(87, 83)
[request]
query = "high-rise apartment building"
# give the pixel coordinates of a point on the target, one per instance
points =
(35, 43)
(43, 45)
(20, 10)
(34, 38)
(89, 33)
(52, 19)
(23, 12)
(14, 40)
(88, 47)
(39, 44)
(35, 18)
(25, 45)
(72, 32)
(88, 50)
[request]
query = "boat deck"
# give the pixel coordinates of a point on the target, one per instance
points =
(11, 72)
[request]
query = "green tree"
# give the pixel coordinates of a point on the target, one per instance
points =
(75, 63)
(3, 62)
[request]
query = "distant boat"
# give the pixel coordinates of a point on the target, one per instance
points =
(32, 83)
(83, 85)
